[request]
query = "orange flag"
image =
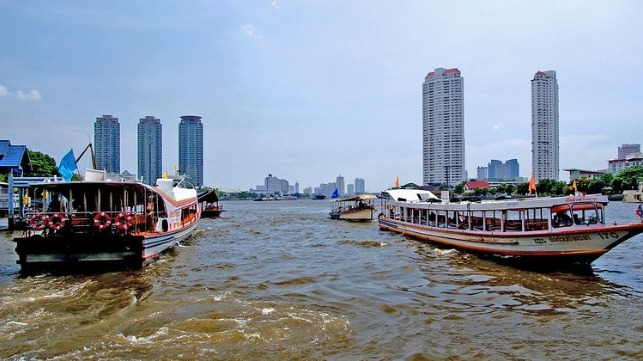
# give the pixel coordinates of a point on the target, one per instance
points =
(397, 182)
(532, 183)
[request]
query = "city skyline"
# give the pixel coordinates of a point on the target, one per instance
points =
(295, 89)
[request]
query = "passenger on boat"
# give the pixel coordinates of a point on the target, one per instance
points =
(562, 219)
(54, 205)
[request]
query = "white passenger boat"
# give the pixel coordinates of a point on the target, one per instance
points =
(548, 231)
(106, 223)
(354, 208)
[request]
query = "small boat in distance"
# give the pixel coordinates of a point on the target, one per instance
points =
(210, 207)
(354, 208)
(542, 232)
(98, 223)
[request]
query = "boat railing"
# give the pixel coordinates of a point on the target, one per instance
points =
(87, 222)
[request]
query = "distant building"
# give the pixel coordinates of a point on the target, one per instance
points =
(473, 185)
(627, 149)
(326, 189)
(630, 160)
(274, 185)
(482, 173)
(499, 171)
(150, 149)
(350, 189)
(360, 187)
(443, 127)
(191, 148)
(107, 144)
(544, 126)
(341, 186)
(576, 174)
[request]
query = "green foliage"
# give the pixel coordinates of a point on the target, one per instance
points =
(42, 165)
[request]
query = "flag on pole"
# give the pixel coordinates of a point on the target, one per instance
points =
(532, 183)
(68, 166)
(574, 185)
(397, 182)
(639, 212)
(335, 193)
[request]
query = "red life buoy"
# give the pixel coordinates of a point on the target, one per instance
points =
(124, 221)
(57, 221)
(38, 221)
(102, 220)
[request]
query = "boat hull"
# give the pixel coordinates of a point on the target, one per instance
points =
(356, 215)
(75, 252)
(580, 245)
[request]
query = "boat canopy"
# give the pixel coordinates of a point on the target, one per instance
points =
(361, 197)
(411, 195)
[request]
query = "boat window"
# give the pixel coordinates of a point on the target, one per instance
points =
(513, 221)
(587, 213)
(561, 217)
(536, 219)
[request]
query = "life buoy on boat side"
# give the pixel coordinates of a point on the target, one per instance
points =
(124, 221)
(38, 221)
(102, 220)
(57, 221)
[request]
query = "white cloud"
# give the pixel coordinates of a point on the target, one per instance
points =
(3, 91)
(250, 31)
(498, 126)
(275, 4)
(31, 95)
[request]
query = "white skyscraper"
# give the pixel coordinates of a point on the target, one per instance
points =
(443, 127)
(544, 126)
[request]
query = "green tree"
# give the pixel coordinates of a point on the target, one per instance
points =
(42, 165)
(459, 189)
(631, 177)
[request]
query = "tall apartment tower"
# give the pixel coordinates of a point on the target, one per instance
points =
(341, 185)
(544, 126)
(107, 144)
(360, 186)
(443, 127)
(191, 148)
(150, 149)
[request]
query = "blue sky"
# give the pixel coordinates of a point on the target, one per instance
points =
(309, 90)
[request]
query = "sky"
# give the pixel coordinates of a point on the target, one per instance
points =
(309, 90)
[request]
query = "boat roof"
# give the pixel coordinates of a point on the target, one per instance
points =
(357, 198)
(411, 195)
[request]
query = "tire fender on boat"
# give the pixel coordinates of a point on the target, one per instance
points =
(102, 220)
(124, 221)
(56, 221)
(38, 221)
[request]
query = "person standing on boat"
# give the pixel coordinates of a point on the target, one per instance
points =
(54, 205)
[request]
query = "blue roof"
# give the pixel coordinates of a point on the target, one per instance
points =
(11, 155)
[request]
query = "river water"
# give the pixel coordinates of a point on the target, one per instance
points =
(281, 281)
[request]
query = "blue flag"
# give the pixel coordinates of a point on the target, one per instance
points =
(67, 166)
(335, 193)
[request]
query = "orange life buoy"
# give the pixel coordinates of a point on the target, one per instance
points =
(38, 221)
(124, 221)
(102, 220)
(57, 221)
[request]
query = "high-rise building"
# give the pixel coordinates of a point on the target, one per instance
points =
(341, 186)
(107, 144)
(443, 127)
(360, 186)
(191, 148)
(150, 149)
(627, 149)
(544, 126)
